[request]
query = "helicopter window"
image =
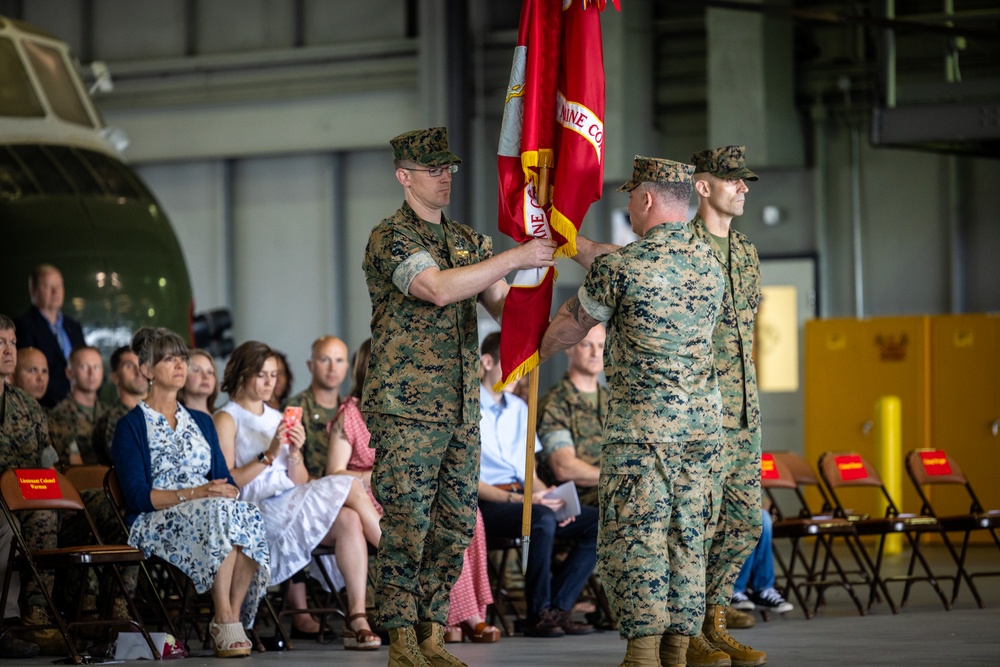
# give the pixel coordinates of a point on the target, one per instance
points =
(58, 82)
(14, 180)
(17, 98)
(79, 173)
(113, 174)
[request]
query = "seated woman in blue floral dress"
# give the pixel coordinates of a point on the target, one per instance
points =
(181, 502)
(265, 459)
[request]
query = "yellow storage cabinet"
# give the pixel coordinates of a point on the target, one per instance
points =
(849, 365)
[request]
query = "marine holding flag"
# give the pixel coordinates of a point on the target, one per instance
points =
(660, 297)
(553, 118)
(425, 274)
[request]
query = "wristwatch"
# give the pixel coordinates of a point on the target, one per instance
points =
(264, 458)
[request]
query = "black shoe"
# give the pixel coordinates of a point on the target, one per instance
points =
(302, 634)
(12, 647)
(565, 621)
(545, 625)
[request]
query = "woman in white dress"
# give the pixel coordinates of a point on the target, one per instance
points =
(264, 457)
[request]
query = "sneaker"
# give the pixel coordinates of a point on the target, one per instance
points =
(742, 602)
(546, 624)
(771, 599)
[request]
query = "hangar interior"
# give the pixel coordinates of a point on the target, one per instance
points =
(263, 125)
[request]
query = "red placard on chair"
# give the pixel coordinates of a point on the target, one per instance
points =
(768, 470)
(851, 467)
(38, 483)
(935, 462)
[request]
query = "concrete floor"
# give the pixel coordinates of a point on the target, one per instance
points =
(922, 634)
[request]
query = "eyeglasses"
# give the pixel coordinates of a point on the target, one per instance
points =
(435, 172)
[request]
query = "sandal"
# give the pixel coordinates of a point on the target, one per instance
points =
(452, 634)
(225, 637)
(481, 634)
(359, 640)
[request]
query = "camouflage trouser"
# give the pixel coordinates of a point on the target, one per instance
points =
(654, 512)
(40, 529)
(735, 520)
(76, 531)
(426, 478)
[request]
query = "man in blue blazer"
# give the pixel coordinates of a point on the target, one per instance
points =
(45, 327)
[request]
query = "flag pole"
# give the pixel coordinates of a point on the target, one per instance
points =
(545, 163)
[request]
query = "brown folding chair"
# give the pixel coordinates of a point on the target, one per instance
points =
(778, 481)
(933, 467)
(176, 590)
(850, 470)
(499, 550)
(107, 558)
(325, 601)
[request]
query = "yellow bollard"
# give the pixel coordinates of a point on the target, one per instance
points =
(889, 421)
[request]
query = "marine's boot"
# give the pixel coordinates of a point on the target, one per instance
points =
(430, 636)
(673, 649)
(642, 652)
(739, 619)
(714, 630)
(49, 640)
(701, 653)
(403, 648)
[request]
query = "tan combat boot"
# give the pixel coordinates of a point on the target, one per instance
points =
(403, 648)
(739, 619)
(642, 652)
(673, 650)
(701, 653)
(431, 639)
(49, 640)
(715, 632)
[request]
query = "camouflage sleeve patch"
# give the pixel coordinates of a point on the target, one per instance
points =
(555, 440)
(408, 270)
(599, 312)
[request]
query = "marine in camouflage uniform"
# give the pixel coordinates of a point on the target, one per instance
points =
(568, 418)
(71, 428)
(421, 392)
(24, 439)
(660, 297)
(736, 499)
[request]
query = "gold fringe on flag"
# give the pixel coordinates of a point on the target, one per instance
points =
(526, 367)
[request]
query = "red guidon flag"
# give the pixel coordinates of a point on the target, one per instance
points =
(553, 116)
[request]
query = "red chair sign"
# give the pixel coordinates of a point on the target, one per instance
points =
(935, 463)
(768, 470)
(38, 483)
(851, 467)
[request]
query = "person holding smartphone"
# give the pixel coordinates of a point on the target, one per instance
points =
(263, 450)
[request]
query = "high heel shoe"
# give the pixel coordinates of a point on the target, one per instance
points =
(359, 640)
(481, 634)
(302, 634)
(453, 634)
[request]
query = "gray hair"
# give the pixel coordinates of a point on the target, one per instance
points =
(154, 345)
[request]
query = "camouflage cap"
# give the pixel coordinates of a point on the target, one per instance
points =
(726, 162)
(657, 170)
(427, 147)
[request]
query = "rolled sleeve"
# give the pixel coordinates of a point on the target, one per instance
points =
(555, 440)
(409, 268)
(599, 312)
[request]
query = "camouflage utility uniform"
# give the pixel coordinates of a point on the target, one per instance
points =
(660, 299)
(421, 401)
(570, 419)
(104, 432)
(315, 419)
(736, 479)
(71, 427)
(24, 437)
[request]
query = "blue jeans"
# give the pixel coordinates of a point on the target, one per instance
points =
(758, 570)
(544, 589)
